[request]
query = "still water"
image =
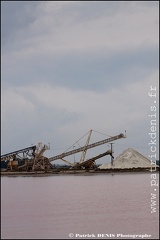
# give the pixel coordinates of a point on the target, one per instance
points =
(95, 206)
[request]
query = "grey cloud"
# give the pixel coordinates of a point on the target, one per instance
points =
(24, 20)
(28, 26)
(16, 15)
(95, 70)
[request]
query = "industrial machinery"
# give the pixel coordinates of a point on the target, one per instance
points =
(90, 162)
(27, 159)
(32, 158)
(14, 160)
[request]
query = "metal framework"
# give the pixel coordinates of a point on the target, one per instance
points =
(91, 162)
(29, 151)
(60, 156)
(33, 159)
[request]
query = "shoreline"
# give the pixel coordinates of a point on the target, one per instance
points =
(78, 172)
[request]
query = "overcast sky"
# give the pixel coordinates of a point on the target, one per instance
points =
(68, 67)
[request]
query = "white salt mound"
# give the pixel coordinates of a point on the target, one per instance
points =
(129, 159)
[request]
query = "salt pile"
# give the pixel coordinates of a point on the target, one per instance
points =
(129, 159)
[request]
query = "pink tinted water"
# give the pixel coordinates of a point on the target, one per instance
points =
(53, 207)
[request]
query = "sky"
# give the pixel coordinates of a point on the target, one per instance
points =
(68, 67)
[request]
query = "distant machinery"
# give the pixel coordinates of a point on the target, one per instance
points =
(32, 159)
(28, 159)
(90, 162)
(18, 158)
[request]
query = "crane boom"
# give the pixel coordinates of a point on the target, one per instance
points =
(85, 147)
(60, 156)
(11, 154)
(67, 162)
(90, 161)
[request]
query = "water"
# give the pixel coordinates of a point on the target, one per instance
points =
(53, 207)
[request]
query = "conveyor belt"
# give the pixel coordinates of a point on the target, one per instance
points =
(24, 150)
(60, 156)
